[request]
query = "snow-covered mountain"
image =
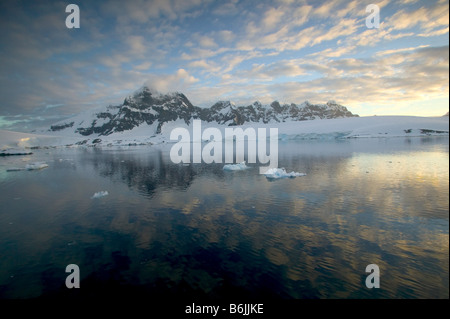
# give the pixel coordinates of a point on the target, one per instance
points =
(156, 109)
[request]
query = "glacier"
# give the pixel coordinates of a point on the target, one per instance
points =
(319, 129)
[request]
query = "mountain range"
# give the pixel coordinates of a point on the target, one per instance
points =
(150, 107)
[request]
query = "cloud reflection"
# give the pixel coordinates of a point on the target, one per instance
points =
(206, 232)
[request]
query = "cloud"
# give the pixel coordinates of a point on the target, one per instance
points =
(211, 50)
(388, 52)
(141, 11)
(301, 14)
(114, 61)
(207, 42)
(434, 32)
(227, 9)
(136, 45)
(325, 10)
(179, 81)
(422, 74)
(400, 76)
(268, 72)
(226, 35)
(231, 61)
(209, 67)
(143, 66)
(272, 18)
(344, 28)
(428, 18)
(334, 52)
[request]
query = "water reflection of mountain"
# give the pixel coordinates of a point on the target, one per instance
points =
(145, 171)
(195, 230)
(319, 231)
(148, 169)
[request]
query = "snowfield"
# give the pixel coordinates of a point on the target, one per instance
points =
(340, 128)
(17, 142)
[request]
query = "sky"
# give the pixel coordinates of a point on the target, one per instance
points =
(239, 50)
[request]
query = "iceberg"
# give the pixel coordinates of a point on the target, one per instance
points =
(275, 173)
(35, 166)
(100, 194)
(235, 167)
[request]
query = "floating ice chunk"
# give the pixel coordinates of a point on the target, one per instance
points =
(36, 165)
(100, 194)
(273, 173)
(235, 167)
(28, 167)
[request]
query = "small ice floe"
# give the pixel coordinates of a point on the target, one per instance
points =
(275, 173)
(36, 165)
(100, 194)
(28, 167)
(235, 167)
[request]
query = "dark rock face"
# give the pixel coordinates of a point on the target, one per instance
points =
(61, 127)
(147, 107)
(224, 112)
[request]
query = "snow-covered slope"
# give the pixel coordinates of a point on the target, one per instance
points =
(17, 141)
(148, 117)
(148, 107)
(341, 128)
(371, 126)
(144, 106)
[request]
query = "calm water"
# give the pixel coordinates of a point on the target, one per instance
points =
(191, 231)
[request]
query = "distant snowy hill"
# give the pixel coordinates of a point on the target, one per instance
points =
(154, 109)
(325, 129)
(148, 117)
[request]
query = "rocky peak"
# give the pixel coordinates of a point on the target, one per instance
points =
(147, 106)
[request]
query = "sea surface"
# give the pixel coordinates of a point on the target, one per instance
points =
(196, 231)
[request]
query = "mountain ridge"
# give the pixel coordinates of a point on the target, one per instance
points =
(149, 106)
